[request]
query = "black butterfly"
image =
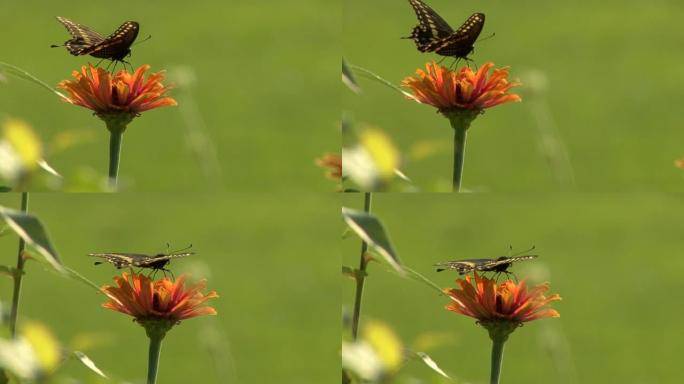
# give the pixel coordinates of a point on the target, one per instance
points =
(85, 41)
(498, 265)
(434, 34)
(156, 262)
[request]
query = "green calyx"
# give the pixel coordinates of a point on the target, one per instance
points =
(499, 329)
(461, 118)
(117, 121)
(156, 328)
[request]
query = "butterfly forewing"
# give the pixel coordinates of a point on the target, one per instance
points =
(460, 44)
(117, 45)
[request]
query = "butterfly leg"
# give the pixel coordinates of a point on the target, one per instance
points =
(98, 63)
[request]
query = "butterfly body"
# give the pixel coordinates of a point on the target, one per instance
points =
(498, 265)
(85, 41)
(434, 34)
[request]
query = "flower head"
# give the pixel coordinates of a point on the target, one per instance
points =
(333, 162)
(500, 307)
(97, 89)
(161, 301)
(464, 89)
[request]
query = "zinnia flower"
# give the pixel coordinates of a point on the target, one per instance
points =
(104, 93)
(117, 100)
(464, 89)
(163, 301)
(500, 307)
(157, 306)
(333, 162)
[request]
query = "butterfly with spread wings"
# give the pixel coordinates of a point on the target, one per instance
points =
(498, 265)
(85, 41)
(434, 34)
(156, 262)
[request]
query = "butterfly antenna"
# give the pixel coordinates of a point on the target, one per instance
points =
(485, 38)
(143, 40)
(181, 250)
(57, 46)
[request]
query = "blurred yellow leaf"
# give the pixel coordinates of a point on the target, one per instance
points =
(386, 344)
(381, 149)
(45, 346)
(24, 141)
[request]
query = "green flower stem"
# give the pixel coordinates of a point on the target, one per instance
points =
(18, 273)
(497, 359)
(156, 329)
(114, 155)
(459, 154)
(499, 330)
(460, 121)
(361, 274)
(153, 362)
(116, 125)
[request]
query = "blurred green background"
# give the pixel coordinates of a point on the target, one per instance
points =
(615, 260)
(257, 87)
(269, 259)
(600, 106)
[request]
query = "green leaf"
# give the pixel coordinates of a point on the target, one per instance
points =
(348, 78)
(89, 363)
(20, 73)
(29, 228)
(430, 363)
(412, 274)
(72, 274)
(371, 75)
(371, 230)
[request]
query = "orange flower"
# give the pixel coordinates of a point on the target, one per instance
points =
(145, 299)
(333, 162)
(104, 93)
(449, 90)
(509, 302)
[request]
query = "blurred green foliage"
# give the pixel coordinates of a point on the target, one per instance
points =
(613, 259)
(270, 260)
(602, 87)
(257, 85)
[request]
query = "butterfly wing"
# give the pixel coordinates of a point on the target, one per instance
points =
(83, 37)
(460, 43)
(462, 266)
(431, 27)
(117, 45)
(122, 260)
(160, 260)
(502, 263)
